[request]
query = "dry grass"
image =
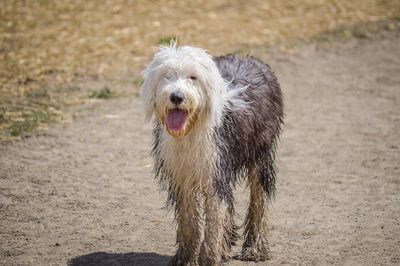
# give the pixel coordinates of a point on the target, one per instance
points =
(50, 46)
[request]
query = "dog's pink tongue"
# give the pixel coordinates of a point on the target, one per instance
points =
(176, 119)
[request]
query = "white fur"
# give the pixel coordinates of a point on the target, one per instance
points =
(191, 158)
(170, 70)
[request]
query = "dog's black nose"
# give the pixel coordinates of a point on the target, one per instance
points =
(177, 97)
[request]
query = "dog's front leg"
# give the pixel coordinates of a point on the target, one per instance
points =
(188, 235)
(215, 246)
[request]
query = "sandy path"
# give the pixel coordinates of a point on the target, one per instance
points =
(83, 193)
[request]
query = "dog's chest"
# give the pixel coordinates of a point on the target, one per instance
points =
(191, 159)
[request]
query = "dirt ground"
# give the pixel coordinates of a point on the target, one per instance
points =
(82, 192)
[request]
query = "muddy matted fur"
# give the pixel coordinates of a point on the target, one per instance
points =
(235, 112)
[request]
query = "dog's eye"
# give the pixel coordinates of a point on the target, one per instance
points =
(193, 77)
(168, 76)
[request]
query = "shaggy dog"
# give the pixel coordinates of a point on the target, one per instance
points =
(216, 121)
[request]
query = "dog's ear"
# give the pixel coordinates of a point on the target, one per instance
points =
(151, 76)
(148, 92)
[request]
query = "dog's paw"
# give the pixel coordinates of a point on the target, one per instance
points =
(177, 260)
(261, 253)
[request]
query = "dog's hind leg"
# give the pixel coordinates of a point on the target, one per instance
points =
(255, 246)
(188, 218)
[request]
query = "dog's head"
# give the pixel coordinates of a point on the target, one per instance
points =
(182, 87)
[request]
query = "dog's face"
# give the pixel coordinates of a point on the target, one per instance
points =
(180, 88)
(178, 99)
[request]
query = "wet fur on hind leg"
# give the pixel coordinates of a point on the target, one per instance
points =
(255, 246)
(216, 120)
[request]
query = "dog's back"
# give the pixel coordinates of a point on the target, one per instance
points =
(249, 134)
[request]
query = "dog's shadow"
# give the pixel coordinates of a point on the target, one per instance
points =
(117, 259)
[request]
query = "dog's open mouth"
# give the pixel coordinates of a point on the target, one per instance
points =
(176, 120)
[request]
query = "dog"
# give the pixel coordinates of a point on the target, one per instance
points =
(216, 121)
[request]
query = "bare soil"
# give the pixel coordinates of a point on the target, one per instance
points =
(82, 193)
